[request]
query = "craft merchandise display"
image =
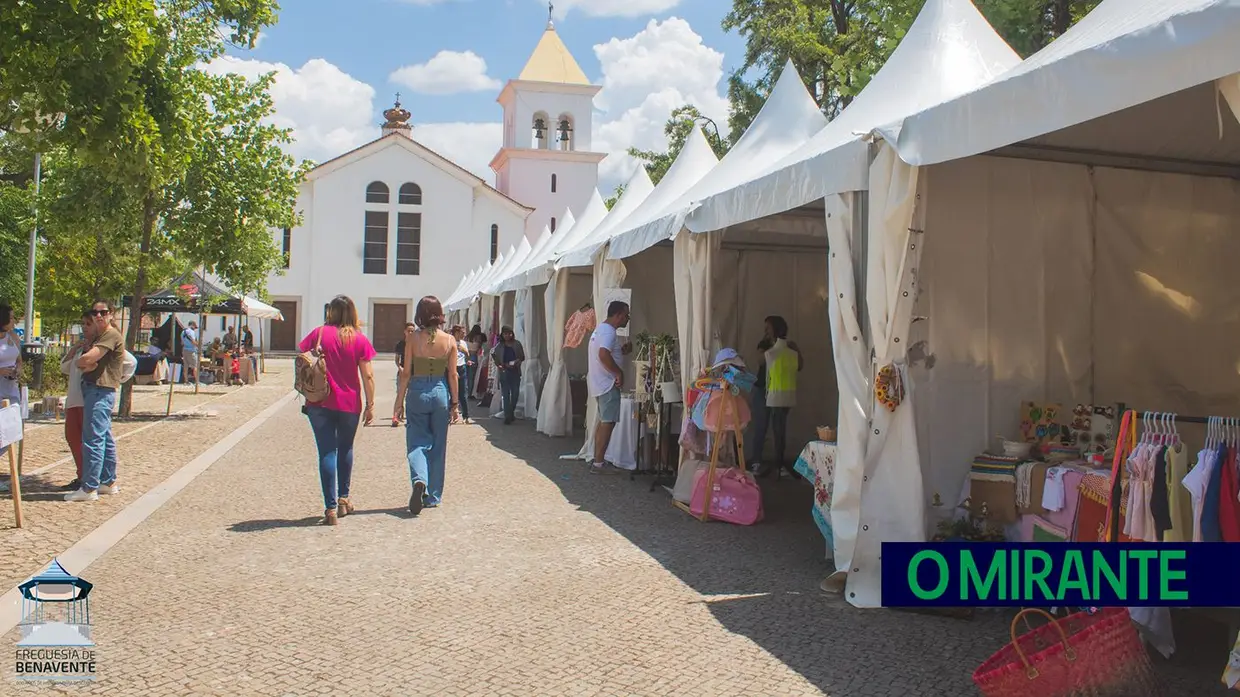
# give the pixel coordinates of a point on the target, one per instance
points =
(717, 413)
(1086, 480)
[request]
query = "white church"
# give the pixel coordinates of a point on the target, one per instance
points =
(392, 220)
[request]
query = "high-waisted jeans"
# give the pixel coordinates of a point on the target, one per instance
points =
(426, 433)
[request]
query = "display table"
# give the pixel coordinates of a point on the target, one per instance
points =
(817, 464)
(622, 449)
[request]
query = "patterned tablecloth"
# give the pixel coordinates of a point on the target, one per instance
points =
(817, 464)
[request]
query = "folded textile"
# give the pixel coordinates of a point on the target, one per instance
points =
(1044, 531)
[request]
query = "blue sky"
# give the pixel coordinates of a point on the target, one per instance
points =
(340, 62)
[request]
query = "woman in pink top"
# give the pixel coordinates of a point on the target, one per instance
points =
(347, 353)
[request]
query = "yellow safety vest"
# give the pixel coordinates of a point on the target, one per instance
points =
(781, 375)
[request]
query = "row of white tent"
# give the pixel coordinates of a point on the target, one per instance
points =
(1064, 177)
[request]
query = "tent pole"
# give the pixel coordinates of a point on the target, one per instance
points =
(172, 344)
(262, 349)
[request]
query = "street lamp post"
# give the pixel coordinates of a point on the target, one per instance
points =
(28, 322)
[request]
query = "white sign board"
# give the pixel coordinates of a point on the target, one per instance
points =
(10, 425)
(610, 295)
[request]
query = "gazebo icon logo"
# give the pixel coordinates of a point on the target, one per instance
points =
(55, 639)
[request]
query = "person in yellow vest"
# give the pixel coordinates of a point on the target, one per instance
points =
(774, 395)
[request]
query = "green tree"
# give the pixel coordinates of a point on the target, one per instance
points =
(611, 202)
(240, 183)
(14, 242)
(677, 129)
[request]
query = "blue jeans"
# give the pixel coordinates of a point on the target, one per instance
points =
(462, 384)
(98, 445)
(426, 433)
(334, 432)
(510, 387)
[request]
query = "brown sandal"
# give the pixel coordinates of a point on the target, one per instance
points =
(329, 516)
(343, 507)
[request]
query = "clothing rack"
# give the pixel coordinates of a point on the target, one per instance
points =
(1117, 484)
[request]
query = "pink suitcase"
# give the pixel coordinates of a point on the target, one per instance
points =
(735, 497)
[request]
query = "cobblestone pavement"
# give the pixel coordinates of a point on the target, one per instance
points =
(533, 578)
(149, 448)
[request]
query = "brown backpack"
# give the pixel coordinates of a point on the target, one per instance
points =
(310, 374)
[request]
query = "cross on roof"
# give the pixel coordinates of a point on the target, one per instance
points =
(550, 11)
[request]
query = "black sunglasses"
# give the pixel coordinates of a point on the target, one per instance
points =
(98, 313)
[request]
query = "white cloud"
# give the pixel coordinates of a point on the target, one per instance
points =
(639, 93)
(613, 8)
(447, 72)
(329, 110)
(332, 112)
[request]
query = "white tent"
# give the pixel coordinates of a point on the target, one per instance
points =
(467, 296)
(580, 251)
(555, 410)
(649, 303)
(787, 119)
(1121, 55)
(1079, 245)
(695, 160)
(949, 49)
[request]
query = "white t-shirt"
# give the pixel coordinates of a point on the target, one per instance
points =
(599, 379)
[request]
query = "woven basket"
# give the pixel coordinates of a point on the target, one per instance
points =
(1084, 655)
(826, 433)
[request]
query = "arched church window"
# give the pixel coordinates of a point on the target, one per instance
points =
(564, 132)
(410, 194)
(494, 242)
(377, 192)
(553, 183)
(540, 135)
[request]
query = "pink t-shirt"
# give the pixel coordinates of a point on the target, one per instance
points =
(342, 367)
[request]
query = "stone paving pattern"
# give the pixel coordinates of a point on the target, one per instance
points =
(146, 458)
(533, 578)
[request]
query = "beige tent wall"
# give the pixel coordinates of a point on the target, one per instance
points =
(763, 273)
(580, 292)
(653, 307)
(1068, 283)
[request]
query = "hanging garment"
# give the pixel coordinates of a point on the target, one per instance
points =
(1053, 497)
(1180, 502)
(1228, 506)
(1140, 522)
(1197, 482)
(1211, 531)
(578, 327)
(1160, 504)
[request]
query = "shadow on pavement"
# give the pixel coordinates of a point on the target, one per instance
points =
(765, 579)
(275, 524)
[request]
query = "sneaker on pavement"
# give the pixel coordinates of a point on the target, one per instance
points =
(81, 495)
(109, 489)
(73, 485)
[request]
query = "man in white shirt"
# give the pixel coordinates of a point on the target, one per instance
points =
(605, 379)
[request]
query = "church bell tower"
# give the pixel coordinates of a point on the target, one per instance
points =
(546, 161)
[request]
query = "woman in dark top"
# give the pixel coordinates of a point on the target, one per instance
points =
(398, 410)
(508, 355)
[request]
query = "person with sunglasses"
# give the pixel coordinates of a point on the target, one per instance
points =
(103, 371)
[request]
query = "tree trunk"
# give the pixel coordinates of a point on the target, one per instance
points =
(1061, 17)
(139, 291)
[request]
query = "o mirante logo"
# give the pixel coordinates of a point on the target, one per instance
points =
(1041, 574)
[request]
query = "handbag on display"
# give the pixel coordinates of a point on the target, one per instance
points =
(1089, 653)
(734, 497)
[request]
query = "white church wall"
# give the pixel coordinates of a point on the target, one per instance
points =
(327, 251)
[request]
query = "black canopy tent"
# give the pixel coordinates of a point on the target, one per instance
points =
(188, 294)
